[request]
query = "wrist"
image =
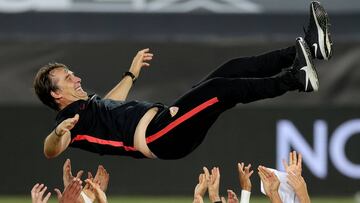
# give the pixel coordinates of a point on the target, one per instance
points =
(303, 197)
(197, 196)
(131, 75)
(273, 195)
(247, 188)
(57, 133)
(214, 198)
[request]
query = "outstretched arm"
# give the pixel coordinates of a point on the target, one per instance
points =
(245, 173)
(59, 139)
(121, 90)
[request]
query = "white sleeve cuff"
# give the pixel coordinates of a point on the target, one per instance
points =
(245, 196)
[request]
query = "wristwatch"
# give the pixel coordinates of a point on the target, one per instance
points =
(128, 73)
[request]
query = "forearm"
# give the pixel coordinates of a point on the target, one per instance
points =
(121, 90)
(198, 199)
(54, 144)
(214, 198)
(304, 197)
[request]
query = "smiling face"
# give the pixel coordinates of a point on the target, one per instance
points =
(68, 87)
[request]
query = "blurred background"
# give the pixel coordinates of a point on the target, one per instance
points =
(97, 39)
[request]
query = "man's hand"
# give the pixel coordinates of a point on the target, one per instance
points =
(67, 174)
(201, 187)
(102, 176)
(100, 195)
(232, 197)
(295, 163)
(66, 125)
(270, 181)
(71, 192)
(297, 182)
(213, 182)
(244, 176)
(142, 59)
(37, 193)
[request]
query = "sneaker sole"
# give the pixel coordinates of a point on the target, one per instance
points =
(321, 21)
(311, 73)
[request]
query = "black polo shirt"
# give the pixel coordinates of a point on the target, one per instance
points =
(106, 126)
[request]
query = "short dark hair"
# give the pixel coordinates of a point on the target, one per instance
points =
(43, 85)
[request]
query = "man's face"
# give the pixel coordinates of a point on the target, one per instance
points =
(69, 86)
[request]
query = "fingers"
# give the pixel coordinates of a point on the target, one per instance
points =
(145, 53)
(68, 124)
(91, 183)
(79, 174)
(294, 157)
(58, 193)
(33, 190)
(37, 192)
(241, 167)
(231, 195)
(75, 119)
(215, 174)
(76, 186)
(46, 198)
(290, 158)
(299, 160)
(103, 176)
(265, 171)
(206, 172)
(247, 170)
(261, 174)
(201, 178)
(251, 172)
(90, 176)
(146, 64)
(67, 165)
(41, 193)
(37, 188)
(144, 50)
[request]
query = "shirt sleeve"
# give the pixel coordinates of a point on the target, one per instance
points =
(245, 196)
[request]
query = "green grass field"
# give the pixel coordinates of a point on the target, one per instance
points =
(172, 200)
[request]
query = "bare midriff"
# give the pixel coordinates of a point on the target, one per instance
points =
(140, 133)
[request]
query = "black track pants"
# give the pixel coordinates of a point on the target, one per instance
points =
(240, 80)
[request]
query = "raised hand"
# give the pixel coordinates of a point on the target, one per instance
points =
(201, 187)
(67, 174)
(71, 192)
(102, 176)
(213, 182)
(295, 163)
(37, 194)
(100, 195)
(232, 197)
(244, 176)
(66, 125)
(142, 59)
(298, 183)
(270, 181)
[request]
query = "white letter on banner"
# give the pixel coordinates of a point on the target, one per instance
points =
(337, 148)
